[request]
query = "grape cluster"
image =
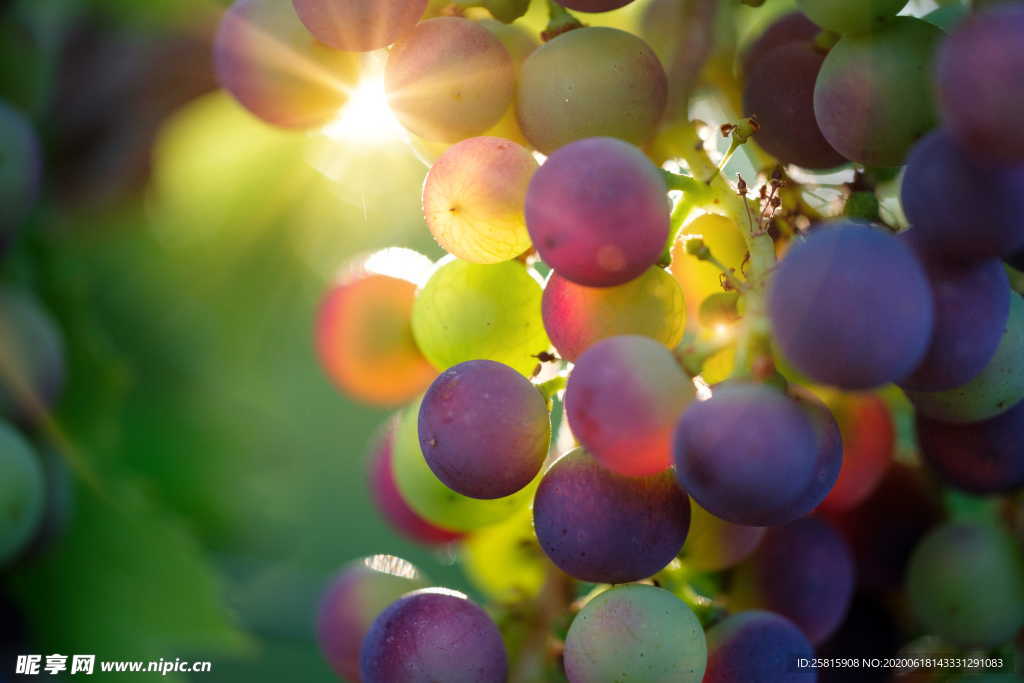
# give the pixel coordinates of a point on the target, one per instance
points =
(665, 411)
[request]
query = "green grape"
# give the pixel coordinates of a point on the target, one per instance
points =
(850, 16)
(434, 501)
(22, 493)
(993, 391)
(714, 544)
(591, 82)
(504, 560)
(700, 279)
(965, 582)
(874, 97)
(636, 633)
(469, 311)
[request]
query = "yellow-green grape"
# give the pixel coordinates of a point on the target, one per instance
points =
(468, 311)
(504, 560)
(993, 391)
(434, 501)
(700, 279)
(474, 196)
(714, 544)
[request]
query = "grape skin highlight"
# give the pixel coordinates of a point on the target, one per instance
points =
(591, 82)
(598, 213)
(603, 527)
(851, 306)
(803, 571)
(449, 79)
(268, 60)
(484, 429)
(434, 635)
(628, 430)
(873, 99)
(748, 454)
(473, 199)
(635, 633)
(359, 25)
(360, 592)
(468, 311)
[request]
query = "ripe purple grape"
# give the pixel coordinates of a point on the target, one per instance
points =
(269, 61)
(803, 571)
(757, 647)
(591, 82)
(431, 635)
(597, 212)
(961, 210)
(851, 307)
(356, 596)
(748, 455)
(873, 98)
(389, 501)
(449, 79)
(623, 400)
(576, 317)
(829, 450)
(600, 526)
(484, 429)
(972, 305)
(979, 82)
(790, 28)
(981, 457)
(359, 25)
(594, 5)
(779, 91)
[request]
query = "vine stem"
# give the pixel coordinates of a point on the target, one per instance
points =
(753, 332)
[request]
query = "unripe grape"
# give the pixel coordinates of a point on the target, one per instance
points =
(843, 16)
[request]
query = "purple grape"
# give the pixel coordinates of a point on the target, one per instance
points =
(779, 91)
(829, 449)
(359, 25)
(803, 571)
(790, 28)
(623, 400)
(600, 526)
(433, 635)
(597, 212)
(962, 211)
(484, 429)
(757, 647)
(851, 307)
(972, 305)
(980, 77)
(981, 457)
(747, 455)
(357, 595)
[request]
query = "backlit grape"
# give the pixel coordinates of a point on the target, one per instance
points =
(597, 212)
(868, 435)
(473, 199)
(270, 62)
(359, 25)
(700, 279)
(591, 82)
(714, 544)
(449, 79)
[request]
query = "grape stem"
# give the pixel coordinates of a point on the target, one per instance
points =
(559, 21)
(753, 333)
(552, 386)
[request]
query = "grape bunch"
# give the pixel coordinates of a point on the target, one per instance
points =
(691, 399)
